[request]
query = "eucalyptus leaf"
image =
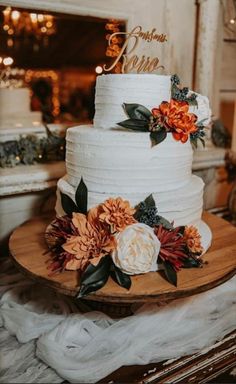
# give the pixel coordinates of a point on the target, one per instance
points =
(170, 273)
(137, 111)
(135, 124)
(120, 277)
(149, 201)
(68, 204)
(81, 197)
(164, 222)
(95, 277)
(158, 136)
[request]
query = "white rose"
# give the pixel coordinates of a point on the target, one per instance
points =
(137, 250)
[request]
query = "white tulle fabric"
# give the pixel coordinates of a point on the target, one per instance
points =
(87, 347)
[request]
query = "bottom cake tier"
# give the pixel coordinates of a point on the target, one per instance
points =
(183, 206)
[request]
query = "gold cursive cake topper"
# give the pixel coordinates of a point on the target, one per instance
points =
(135, 62)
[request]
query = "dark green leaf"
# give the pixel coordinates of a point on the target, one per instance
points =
(162, 221)
(193, 142)
(137, 111)
(181, 229)
(121, 278)
(202, 141)
(95, 277)
(135, 124)
(170, 273)
(192, 102)
(149, 201)
(158, 136)
(81, 197)
(191, 263)
(200, 123)
(68, 204)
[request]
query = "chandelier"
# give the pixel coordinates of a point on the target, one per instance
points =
(21, 23)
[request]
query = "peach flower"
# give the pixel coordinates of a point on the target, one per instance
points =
(117, 213)
(91, 244)
(193, 239)
(176, 118)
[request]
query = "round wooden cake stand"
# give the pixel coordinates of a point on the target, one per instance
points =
(29, 252)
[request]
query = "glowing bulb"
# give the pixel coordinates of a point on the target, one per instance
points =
(8, 60)
(98, 69)
(232, 21)
(15, 15)
(33, 17)
(40, 17)
(6, 27)
(44, 29)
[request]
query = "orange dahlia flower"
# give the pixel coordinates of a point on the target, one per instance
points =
(117, 213)
(90, 244)
(193, 239)
(175, 117)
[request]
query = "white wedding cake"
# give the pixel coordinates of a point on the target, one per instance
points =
(15, 109)
(114, 161)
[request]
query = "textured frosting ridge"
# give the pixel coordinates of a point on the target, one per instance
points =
(118, 162)
(114, 90)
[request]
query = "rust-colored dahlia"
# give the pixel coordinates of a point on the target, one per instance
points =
(117, 213)
(90, 243)
(176, 118)
(172, 246)
(193, 239)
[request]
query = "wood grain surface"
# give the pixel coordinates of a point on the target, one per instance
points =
(28, 249)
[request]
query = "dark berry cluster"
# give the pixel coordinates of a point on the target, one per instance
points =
(148, 215)
(175, 79)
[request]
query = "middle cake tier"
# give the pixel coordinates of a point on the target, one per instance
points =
(123, 163)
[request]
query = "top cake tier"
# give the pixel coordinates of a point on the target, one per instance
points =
(113, 90)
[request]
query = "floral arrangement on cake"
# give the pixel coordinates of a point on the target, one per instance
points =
(118, 240)
(169, 117)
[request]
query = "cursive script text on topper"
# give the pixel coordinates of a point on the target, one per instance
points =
(134, 62)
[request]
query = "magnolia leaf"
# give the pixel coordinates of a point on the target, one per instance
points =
(137, 111)
(149, 201)
(81, 197)
(162, 221)
(158, 136)
(95, 277)
(170, 273)
(135, 124)
(191, 263)
(121, 278)
(68, 204)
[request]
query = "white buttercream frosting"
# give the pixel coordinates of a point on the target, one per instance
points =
(121, 161)
(114, 90)
(118, 162)
(182, 205)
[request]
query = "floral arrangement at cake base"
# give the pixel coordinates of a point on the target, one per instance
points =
(118, 240)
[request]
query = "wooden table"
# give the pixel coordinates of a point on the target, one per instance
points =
(27, 247)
